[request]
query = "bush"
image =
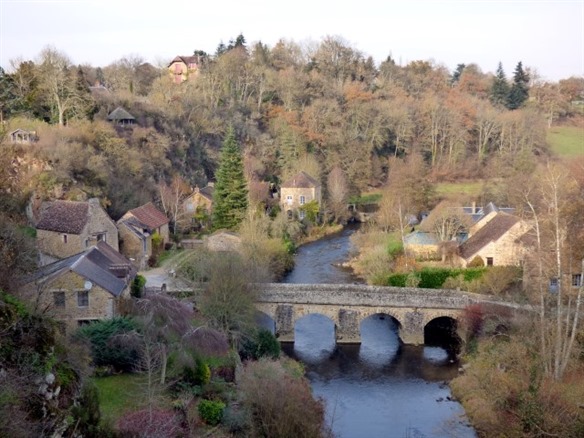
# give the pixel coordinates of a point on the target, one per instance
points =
(211, 411)
(138, 286)
(152, 423)
(101, 335)
(476, 262)
(262, 344)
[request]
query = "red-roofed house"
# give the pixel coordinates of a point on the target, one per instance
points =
(66, 228)
(150, 219)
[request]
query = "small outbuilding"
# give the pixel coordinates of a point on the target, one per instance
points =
(120, 116)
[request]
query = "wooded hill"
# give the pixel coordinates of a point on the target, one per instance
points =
(292, 108)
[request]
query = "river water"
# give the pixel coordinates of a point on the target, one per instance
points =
(379, 388)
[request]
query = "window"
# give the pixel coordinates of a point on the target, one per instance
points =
(576, 280)
(301, 214)
(302, 200)
(64, 238)
(82, 298)
(554, 285)
(59, 299)
(289, 199)
(489, 261)
(82, 322)
(100, 237)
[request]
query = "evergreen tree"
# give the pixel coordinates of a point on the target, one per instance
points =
(457, 74)
(230, 194)
(500, 88)
(520, 89)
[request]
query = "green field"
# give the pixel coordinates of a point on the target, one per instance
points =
(453, 189)
(566, 141)
(118, 394)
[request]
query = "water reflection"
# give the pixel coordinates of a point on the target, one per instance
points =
(314, 338)
(379, 340)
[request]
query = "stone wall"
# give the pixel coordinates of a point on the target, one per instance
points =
(102, 304)
(132, 246)
(53, 243)
(310, 194)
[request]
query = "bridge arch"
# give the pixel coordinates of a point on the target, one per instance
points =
(265, 321)
(443, 331)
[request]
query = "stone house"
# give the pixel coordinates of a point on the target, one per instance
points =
(222, 240)
(183, 67)
(135, 241)
(497, 242)
(66, 228)
(81, 288)
(199, 199)
(298, 191)
(150, 219)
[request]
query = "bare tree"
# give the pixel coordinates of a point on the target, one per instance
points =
(172, 197)
(338, 191)
(57, 82)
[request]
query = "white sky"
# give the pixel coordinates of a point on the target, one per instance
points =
(545, 35)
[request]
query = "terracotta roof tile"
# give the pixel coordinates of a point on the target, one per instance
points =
(149, 215)
(64, 216)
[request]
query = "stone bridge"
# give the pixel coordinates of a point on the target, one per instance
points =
(349, 304)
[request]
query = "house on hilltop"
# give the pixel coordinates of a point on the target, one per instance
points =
(496, 243)
(182, 67)
(299, 191)
(66, 228)
(81, 288)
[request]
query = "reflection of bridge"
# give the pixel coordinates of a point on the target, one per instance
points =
(348, 304)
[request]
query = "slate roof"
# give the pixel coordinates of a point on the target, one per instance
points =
(421, 238)
(100, 264)
(135, 226)
(207, 192)
(301, 180)
(64, 216)
(120, 114)
(491, 232)
(149, 215)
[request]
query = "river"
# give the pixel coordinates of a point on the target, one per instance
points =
(379, 388)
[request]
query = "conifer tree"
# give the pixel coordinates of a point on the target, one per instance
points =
(520, 89)
(500, 88)
(230, 194)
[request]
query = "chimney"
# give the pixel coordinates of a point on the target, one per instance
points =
(474, 207)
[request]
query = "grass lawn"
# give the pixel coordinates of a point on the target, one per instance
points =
(453, 189)
(118, 394)
(566, 141)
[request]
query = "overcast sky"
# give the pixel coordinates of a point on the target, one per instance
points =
(545, 35)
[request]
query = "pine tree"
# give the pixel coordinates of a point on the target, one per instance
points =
(500, 88)
(230, 194)
(457, 74)
(520, 89)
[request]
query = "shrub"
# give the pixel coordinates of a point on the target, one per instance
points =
(138, 286)
(279, 402)
(101, 335)
(477, 262)
(211, 411)
(262, 344)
